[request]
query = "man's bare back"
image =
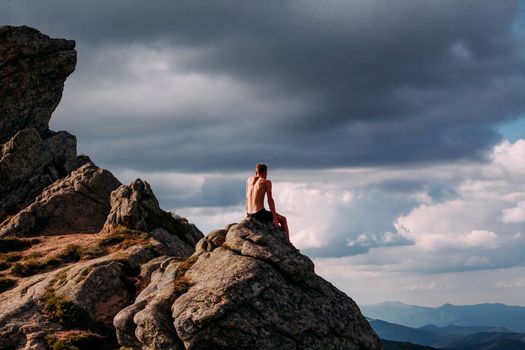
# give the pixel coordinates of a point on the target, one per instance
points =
(257, 187)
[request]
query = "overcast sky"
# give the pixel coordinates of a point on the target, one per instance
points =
(394, 129)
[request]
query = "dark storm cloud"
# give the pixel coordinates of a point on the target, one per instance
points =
(381, 82)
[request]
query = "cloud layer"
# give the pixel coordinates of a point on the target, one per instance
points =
(425, 219)
(300, 84)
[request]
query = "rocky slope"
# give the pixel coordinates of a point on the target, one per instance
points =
(86, 262)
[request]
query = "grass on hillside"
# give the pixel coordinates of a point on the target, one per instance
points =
(6, 283)
(82, 332)
(183, 282)
(75, 340)
(33, 264)
(13, 244)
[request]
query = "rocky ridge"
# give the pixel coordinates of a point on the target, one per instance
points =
(130, 274)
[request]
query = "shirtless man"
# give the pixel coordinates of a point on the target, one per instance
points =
(256, 188)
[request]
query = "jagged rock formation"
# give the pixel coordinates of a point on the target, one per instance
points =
(77, 203)
(33, 68)
(100, 287)
(28, 164)
(134, 206)
(88, 263)
(251, 291)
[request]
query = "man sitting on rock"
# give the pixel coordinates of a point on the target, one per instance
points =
(256, 188)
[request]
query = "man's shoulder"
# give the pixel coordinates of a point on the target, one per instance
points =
(266, 182)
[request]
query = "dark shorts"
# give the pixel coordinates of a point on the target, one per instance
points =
(262, 215)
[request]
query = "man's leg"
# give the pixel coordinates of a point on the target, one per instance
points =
(284, 226)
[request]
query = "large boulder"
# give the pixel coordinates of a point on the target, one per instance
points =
(33, 68)
(28, 164)
(252, 291)
(135, 207)
(147, 323)
(77, 203)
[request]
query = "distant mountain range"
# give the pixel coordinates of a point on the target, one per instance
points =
(395, 345)
(498, 345)
(450, 337)
(510, 318)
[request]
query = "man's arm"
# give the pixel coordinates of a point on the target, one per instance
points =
(271, 202)
(246, 195)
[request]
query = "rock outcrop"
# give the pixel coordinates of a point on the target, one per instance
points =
(251, 291)
(88, 263)
(77, 203)
(96, 289)
(33, 68)
(28, 164)
(134, 206)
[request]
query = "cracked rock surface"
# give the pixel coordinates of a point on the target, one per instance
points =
(99, 286)
(77, 203)
(250, 292)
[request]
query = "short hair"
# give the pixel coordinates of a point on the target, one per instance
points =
(261, 168)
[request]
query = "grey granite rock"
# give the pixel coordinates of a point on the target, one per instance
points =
(77, 203)
(134, 206)
(147, 322)
(244, 288)
(99, 286)
(28, 164)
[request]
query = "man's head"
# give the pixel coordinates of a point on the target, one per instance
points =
(261, 170)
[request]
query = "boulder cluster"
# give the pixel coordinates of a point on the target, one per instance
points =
(86, 262)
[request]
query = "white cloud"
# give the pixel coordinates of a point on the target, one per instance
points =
(439, 218)
(211, 218)
(310, 211)
(374, 241)
(516, 214)
(368, 286)
(516, 283)
(509, 159)
(477, 216)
